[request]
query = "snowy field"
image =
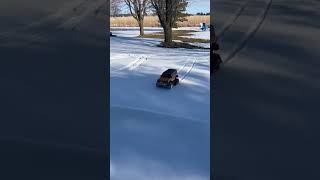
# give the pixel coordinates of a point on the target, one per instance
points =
(199, 34)
(134, 32)
(158, 133)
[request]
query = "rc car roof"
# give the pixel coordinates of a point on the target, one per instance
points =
(170, 71)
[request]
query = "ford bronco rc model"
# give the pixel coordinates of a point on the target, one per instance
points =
(168, 79)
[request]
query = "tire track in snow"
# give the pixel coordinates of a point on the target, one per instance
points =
(237, 15)
(251, 32)
(66, 10)
(138, 63)
(187, 71)
(135, 64)
(184, 65)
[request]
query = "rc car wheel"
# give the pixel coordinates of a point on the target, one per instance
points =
(176, 81)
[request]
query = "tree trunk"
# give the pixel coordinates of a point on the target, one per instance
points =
(168, 36)
(141, 26)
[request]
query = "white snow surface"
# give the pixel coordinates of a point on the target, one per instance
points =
(197, 35)
(158, 133)
(134, 31)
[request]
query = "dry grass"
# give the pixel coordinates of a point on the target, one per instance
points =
(152, 21)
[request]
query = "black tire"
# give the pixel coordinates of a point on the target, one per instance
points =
(176, 82)
(171, 85)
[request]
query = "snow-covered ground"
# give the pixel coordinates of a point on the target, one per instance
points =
(134, 31)
(158, 133)
(199, 34)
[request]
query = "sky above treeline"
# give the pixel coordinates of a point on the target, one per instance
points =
(196, 6)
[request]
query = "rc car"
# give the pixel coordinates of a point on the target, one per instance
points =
(168, 79)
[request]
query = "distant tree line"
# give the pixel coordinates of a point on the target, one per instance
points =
(203, 14)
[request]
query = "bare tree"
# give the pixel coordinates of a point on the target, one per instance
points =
(169, 12)
(138, 10)
(115, 7)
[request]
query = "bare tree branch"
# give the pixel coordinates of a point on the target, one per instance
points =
(138, 10)
(115, 7)
(169, 12)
